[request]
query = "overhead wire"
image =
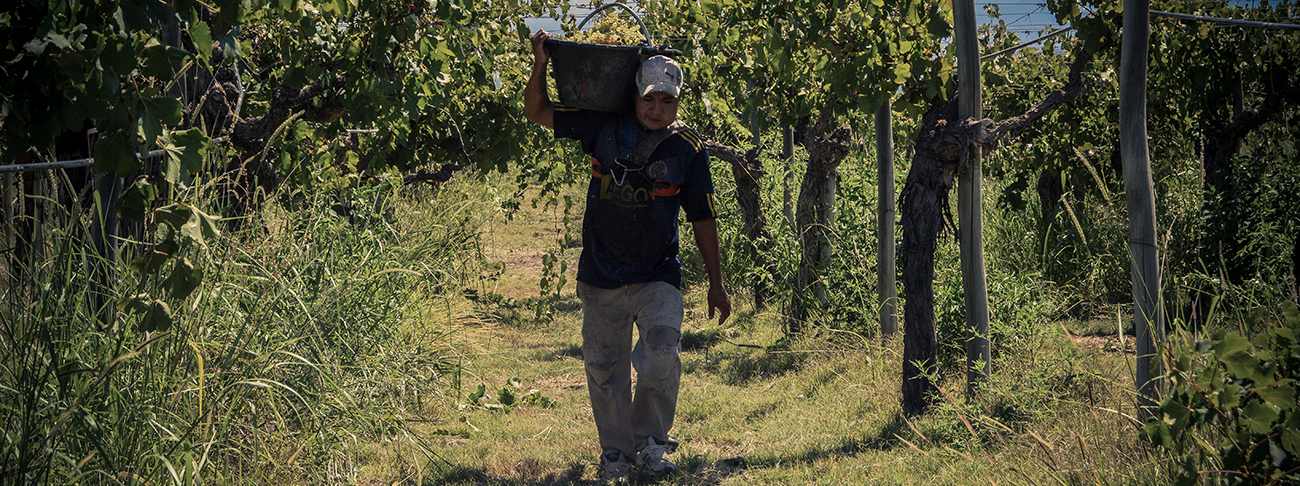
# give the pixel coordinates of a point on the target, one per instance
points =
(1219, 20)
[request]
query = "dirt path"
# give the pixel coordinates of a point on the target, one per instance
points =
(518, 244)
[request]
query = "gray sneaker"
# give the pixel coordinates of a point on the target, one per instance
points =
(614, 469)
(653, 459)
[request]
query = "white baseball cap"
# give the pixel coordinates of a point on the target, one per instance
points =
(659, 73)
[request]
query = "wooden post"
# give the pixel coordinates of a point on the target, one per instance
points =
(103, 226)
(9, 274)
(753, 118)
(787, 179)
(1148, 318)
(885, 273)
(970, 217)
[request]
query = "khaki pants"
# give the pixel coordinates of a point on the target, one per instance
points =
(626, 422)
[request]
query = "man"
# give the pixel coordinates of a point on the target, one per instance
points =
(645, 165)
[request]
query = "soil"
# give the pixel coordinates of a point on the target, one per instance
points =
(1106, 343)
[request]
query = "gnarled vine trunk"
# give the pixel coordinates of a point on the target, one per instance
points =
(923, 208)
(815, 213)
(1222, 204)
(942, 150)
(748, 172)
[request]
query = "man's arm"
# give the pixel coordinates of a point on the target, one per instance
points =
(537, 106)
(706, 238)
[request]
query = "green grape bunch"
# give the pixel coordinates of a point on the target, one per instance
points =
(611, 30)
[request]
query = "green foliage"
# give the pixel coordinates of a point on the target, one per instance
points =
(788, 59)
(1252, 228)
(183, 232)
(1068, 160)
(1207, 62)
(437, 81)
(508, 398)
(853, 303)
(1248, 192)
(1071, 158)
(211, 342)
(1083, 128)
(1232, 404)
(65, 64)
(555, 268)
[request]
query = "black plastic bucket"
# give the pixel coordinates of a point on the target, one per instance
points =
(598, 77)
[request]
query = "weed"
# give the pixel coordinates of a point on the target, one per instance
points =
(307, 333)
(1231, 410)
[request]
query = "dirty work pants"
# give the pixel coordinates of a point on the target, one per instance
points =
(626, 422)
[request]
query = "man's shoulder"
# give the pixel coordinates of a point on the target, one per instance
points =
(687, 142)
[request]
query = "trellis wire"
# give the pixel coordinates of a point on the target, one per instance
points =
(87, 162)
(1218, 20)
(1157, 13)
(75, 163)
(1027, 43)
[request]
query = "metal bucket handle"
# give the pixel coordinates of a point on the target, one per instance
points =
(644, 31)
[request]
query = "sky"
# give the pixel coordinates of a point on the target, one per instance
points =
(1022, 16)
(1027, 18)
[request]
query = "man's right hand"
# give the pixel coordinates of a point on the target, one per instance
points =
(537, 107)
(540, 56)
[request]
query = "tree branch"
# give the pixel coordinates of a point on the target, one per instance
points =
(1011, 127)
(1242, 124)
(284, 103)
(746, 162)
(747, 169)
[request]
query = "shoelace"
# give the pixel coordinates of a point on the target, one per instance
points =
(654, 453)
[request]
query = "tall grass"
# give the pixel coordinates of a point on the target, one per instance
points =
(307, 335)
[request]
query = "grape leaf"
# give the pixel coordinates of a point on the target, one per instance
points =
(201, 36)
(183, 153)
(135, 200)
(113, 153)
(185, 277)
(157, 318)
(1259, 416)
(158, 111)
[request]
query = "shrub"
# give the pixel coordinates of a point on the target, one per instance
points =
(1233, 405)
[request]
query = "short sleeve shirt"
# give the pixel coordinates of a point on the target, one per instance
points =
(629, 230)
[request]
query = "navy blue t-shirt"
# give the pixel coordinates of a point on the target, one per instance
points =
(629, 231)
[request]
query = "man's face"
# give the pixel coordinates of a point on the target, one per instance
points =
(656, 110)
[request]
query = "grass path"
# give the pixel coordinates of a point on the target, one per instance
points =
(756, 408)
